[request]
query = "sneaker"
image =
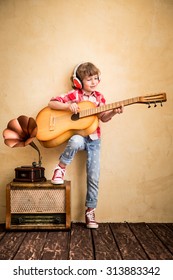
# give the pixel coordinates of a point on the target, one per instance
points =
(90, 219)
(58, 176)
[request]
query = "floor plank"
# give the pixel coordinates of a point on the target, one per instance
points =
(128, 245)
(57, 246)
(10, 244)
(81, 247)
(104, 244)
(32, 246)
(170, 225)
(149, 241)
(165, 234)
(2, 235)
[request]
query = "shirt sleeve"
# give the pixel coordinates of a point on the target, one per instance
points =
(100, 98)
(103, 100)
(66, 98)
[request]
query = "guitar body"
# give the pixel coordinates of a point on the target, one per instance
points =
(57, 126)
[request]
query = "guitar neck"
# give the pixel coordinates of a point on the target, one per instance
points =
(107, 107)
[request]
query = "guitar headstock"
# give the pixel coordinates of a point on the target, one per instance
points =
(153, 98)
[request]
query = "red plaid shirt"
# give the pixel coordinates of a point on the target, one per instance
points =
(77, 96)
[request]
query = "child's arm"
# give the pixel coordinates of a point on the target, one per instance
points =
(57, 105)
(107, 116)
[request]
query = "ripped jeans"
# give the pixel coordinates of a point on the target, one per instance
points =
(92, 147)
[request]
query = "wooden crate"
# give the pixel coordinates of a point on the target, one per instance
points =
(38, 205)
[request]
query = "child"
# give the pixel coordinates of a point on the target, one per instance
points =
(85, 79)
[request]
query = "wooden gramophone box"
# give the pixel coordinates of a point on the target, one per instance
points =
(29, 174)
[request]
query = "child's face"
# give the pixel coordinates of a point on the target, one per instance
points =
(90, 83)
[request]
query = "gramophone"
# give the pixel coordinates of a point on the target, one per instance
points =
(20, 132)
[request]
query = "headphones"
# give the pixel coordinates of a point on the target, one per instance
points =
(76, 82)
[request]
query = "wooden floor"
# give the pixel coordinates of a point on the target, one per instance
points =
(111, 241)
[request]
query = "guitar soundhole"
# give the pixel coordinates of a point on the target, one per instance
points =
(75, 117)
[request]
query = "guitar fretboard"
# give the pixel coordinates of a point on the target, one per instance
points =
(107, 107)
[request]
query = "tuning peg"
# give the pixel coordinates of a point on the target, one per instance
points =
(161, 103)
(155, 105)
(149, 106)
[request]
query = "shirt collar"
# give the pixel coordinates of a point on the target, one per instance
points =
(92, 94)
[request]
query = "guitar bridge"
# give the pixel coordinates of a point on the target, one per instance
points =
(52, 123)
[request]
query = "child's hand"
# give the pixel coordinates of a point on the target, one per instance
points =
(74, 108)
(118, 110)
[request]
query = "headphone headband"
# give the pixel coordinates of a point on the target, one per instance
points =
(75, 69)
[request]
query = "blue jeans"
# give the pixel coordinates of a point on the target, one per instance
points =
(78, 143)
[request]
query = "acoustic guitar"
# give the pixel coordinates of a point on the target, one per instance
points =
(57, 126)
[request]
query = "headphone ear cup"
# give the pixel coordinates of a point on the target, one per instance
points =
(77, 83)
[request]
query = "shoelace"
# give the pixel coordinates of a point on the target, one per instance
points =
(91, 215)
(59, 169)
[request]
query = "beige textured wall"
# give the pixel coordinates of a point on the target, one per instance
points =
(131, 41)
